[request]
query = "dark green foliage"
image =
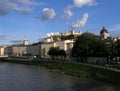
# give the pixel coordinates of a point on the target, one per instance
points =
(53, 51)
(69, 37)
(56, 51)
(89, 44)
(117, 48)
(62, 53)
(114, 48)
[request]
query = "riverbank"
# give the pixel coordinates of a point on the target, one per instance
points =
(75, 69)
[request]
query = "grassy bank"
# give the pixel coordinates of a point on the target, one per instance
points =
(75, 69)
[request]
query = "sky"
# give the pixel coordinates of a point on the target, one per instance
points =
(35, 19)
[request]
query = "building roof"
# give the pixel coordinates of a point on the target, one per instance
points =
(103, 30)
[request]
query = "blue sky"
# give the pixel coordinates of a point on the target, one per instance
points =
(36, 18)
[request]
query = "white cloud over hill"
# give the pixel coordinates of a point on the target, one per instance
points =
(80, 22)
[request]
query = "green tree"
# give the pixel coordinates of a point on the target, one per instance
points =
(69, 37)
(54, 52)
(62, 53)
(89, 44)
(116, 50)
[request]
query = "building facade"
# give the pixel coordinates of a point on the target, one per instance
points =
(25, 42)
(45, 48)
(33, 50)
(2, 50)
(72, 32)
(66, 45)
(15, 50)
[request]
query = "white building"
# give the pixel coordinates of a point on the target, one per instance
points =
(104, 33)
(66, 45)
(15, 50)
(72, 32)
(51, 37)
(45, 48)
(25, 42)
(33, 50)
(2, 49)
(40, 49)
(116, 39)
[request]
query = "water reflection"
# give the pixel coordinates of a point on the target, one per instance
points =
(17, 77)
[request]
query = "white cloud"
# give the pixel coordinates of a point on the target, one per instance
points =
(19, 6)
(48, 14)
(68, 11)
(80, 22)
(77, 3)
(20, 9)
(28, 2)
(80, 3)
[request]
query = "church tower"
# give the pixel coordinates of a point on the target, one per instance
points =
(25, 42)
(104, 33)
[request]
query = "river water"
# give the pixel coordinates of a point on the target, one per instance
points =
(18, 77)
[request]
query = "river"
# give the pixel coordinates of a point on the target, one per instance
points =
(19, 77)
